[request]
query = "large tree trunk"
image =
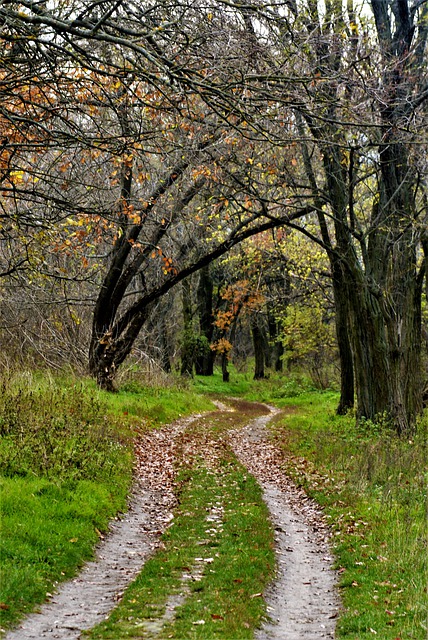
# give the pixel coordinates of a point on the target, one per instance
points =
(204, 364)
(386, 349)
(381, 296)
(108, 351)
(378, 287)
(369, 347)
(259, 343)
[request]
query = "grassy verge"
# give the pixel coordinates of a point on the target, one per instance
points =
(373, 489)
(273, 390)
(152, 406)
(66, 461)
(217, 556)
(48, 530)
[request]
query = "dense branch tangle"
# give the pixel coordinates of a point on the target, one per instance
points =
(182, 128)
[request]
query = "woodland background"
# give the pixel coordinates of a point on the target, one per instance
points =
(188, 180)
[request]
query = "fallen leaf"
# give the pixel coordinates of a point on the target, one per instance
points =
(4, 606)
(216, 616)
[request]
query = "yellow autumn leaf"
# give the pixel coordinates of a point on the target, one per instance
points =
(16, 176)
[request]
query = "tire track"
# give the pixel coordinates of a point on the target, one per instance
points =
(302, 603)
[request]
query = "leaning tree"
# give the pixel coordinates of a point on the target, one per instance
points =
(142, 134)
(201, 125)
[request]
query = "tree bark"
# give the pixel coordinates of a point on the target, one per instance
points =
(187, 348)
(204, 364)
(110, 351)
(224, 367)
(259, 341)
(277, 346)
(341, 298)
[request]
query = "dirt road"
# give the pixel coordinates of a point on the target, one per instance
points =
(302, 602)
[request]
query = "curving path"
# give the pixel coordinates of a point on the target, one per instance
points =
(86, 600)
(302, 602)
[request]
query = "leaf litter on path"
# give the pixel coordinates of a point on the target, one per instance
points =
(83, 602)
(302, 602)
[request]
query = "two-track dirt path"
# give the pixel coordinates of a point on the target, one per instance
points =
(302, 602)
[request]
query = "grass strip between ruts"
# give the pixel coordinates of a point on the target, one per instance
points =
(218, 553)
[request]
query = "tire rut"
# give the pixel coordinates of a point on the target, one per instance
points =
(302, 602)
(86, 600)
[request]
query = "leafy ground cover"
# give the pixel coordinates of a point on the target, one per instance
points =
(217, 556)
(372, 486)
(66, 461)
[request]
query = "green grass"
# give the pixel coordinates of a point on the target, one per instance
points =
(66, 462)
(66, 459)
(373, 489)
(273, 390)
(230, 553)
(138, 404)
(47, 531)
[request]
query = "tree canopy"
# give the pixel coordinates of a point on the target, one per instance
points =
(141, 142)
